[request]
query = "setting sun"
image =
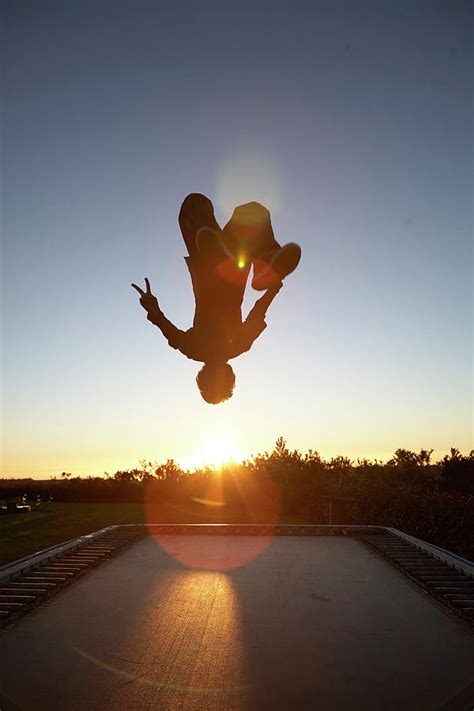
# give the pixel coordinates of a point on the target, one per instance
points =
(217, 450)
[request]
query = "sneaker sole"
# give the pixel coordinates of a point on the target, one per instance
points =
(283, 263)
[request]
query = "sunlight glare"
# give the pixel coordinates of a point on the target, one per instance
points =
(212, 624)
(247, 177)
(217, 451)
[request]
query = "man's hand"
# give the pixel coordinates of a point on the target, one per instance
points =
(147, 299)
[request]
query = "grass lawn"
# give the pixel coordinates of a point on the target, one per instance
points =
(22, 534)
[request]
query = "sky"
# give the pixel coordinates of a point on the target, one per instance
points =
(350, 120)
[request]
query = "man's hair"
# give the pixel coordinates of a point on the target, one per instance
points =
(216, 382)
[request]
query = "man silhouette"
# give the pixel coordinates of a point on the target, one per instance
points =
(219, 262)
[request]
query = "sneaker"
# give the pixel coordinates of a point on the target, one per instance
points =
(211, 246)
(270, 271)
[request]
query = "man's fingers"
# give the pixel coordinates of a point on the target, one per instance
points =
(140, 291)
(148, 288)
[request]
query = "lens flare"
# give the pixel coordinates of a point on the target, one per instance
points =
(207, 502)
(233, 497)
(232, 272)
(246, 177)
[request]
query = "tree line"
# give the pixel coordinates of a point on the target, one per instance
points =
(431, 500)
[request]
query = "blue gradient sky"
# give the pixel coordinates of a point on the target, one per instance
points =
(350, 120)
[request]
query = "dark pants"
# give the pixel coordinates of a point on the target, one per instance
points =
(248, 235)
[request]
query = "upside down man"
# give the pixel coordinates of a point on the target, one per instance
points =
(219, 263)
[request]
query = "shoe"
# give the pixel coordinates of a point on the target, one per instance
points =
(211, 246)
(268, 272)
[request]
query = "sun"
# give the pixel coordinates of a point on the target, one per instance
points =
(217, 450)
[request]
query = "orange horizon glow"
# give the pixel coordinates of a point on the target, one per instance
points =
(94, 464)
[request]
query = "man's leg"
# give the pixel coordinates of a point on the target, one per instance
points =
(249, 235)
(196, 212)
(201, 232)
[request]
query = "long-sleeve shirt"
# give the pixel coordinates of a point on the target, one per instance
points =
(218, 332)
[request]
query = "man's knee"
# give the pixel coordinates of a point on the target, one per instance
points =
(252, 213)
(196, 208)
(250, 228)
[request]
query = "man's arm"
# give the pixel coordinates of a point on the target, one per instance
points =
(170, 332)
(175, 337)
(255, 324)
(260, 307)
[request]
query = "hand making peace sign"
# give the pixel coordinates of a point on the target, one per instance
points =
(147, 299)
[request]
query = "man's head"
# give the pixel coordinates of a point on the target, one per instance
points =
(216, 382)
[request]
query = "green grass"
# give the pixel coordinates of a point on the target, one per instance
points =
(23, 534)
